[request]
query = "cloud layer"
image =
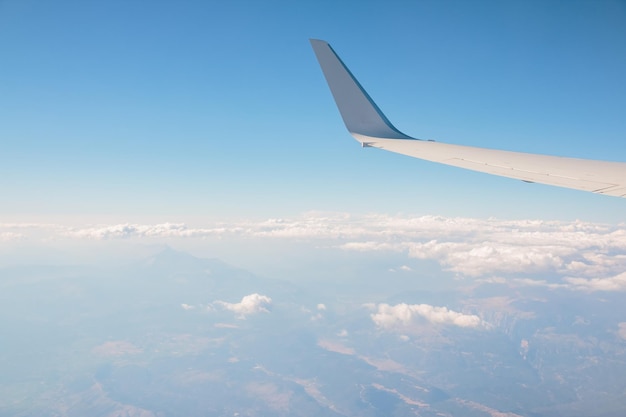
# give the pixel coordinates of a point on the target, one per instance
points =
(575, 255)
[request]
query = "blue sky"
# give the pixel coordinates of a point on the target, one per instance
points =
(199, 109)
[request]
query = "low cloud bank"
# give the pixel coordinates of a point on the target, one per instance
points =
(574, 255)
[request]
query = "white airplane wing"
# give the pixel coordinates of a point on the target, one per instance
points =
(367, 123)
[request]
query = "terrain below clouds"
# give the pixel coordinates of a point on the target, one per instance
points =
(172, 334)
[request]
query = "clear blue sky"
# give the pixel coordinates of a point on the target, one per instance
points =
(214, 109)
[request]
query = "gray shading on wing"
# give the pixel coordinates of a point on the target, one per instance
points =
(367, 123)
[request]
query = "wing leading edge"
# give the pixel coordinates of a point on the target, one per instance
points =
(367, 123)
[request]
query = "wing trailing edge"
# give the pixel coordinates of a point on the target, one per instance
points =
(367, 124)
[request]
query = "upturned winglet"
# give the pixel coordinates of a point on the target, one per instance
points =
(367, 123)
(361, 115)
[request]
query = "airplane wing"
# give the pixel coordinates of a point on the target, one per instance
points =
(367, 123)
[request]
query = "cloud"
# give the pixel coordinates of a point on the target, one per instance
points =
(127, 230)
(337, 347)
(621, 332)
(470, 248)
(370, 246)
(403, 268)
(225, 326)
(10, 236)
(480, 258)
(403, 315)
(187, 306)
(317, 317)
(615, 283)
(321, 307)
(369, 306)
(527, 282)
(249, 305)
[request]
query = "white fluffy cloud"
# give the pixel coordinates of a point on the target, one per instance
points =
(615, 283)
(128, 230)
(403, 315)
(479, 258)
(249, 305)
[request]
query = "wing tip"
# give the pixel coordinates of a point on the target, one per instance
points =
(360, 113)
